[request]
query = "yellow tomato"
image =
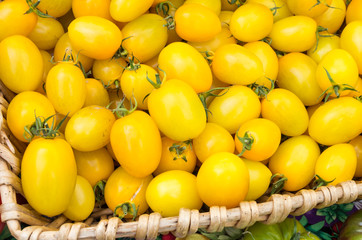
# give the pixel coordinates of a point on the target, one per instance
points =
(354, 11)
(98, 8)
(351, 41)
(214, 5)
(128, 10)
(325, 44)
(108, 70)
(225, 17)
(279, 8)
(96, 94)
(55, 8)
(333, 18)
(310, 8)
(357, 144)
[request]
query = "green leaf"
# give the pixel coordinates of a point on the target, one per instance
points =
(233, 232)
(316, 227)
(303, 221)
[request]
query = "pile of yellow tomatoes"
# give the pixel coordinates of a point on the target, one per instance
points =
(159, 105)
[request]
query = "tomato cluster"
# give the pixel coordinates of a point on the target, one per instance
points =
(175, 104)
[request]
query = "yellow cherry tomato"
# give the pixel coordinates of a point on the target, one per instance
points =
(128, 10)
(226, 174)
(295, 159)
(55, 8)
(358, 89)
(214, 5)
(108, 70)
(251, 22)
(196, 23)
(122, 187)
(98, 8)
(176, 156)
(357, 144)
(21, 64)
(258, 139)
(310, 8)
(333, 18)
(212, 140)
(354, 11)
(172, 190)
(46, 33)
(96, 94)
(337, 163)
(47, 63)
(226, 6)
(95, 165)
(279, 8)
(96, 37)
(351, 41)
(89, 128)
(225, 17)
(325, 44)
(81, 204)
(259, 179)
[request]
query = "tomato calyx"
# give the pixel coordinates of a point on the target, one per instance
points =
(267, 40)
(33, 9)
(126, 208)
(210, 93)
(98, 190)
(41, 128)
(69, 58)
(247, 140)
(209, 56)
(261, 90)
(236, 2)
(121, 110)
(320, 29)
(277, 182)
(164, 9)
(121, 51)
(179, 149)
(319, 182)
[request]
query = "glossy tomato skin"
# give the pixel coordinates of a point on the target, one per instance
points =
(65, 87)
(279, 8)
(108, 70)
(13, 21)
(21, 64)
(128, 10)
(181, 61)
(310, 8)
(357, 144)
(147, 36)
(89, 128)
(96, 93)
(213, 139)
(172, 190)
(353, 12)
(82, 202)
(233, 107)
(90, 33)
(48, 175)
(351, 41)
(95, 165)
(177, 110)
(333, 17)
(122, 188)
(98, 8)
(325, 45)
(196, 23)
(336, 121)
(136, 142)
(235, 64)
(22, 109)
(293, 34)
(286, 110)
(295, 159)
(55, 8)
(266, 138)
(297, 73)
(338, 163)
(226, 174)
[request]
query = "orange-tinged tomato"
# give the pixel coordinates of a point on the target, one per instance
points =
(251, 22)
(295, 159)
(96, 94)
(13, 21)
(21, 64)
(259, 179)
(47, 63)
(108, 70)
(226, 6)
(48, 175)
(225, 17)
(286, 110)
(325, 44)
(176, 156)
(55, 8)
(89, 128)
(259, 138)
(279, 8)
(341, 67)
(177, 110)
(22, 110)
(46, 33)
(122, 187)
(90, 33)
(235, 64)
(128, 10)
(172, 190)
(214, 5)
(337, 163)
(357, 144)
(196, 23)
(293, 34)
(136, 142)
(181, 61)
(65, 88)
(297, 73)
(333, 18)
(354, 11)
(98, 8)
(226, 174)
(94, 165)
(212, 140)
(233, 107)
(64, 48)
(81, 204)
(310, 8)
(351, 41)
(336, 121)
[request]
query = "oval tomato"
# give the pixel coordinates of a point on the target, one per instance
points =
(108, 70)
(357, 144)
(48, 162)
(172, 190)
(325, 44)
(354, 11)
(279, 8)
(177, 110)
(214, 5)
(336, 121)
(55, 8)
(81, 204)
(98, 8)
(128, 10)
(351, 41)
(337, 163)
(295, 159)
(310, 8)
(21, 64)
(96, 94)
(89, 129)
(333, 17)
(46, 33)
(90, 33)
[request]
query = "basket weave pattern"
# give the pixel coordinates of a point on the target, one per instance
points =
(102, 225)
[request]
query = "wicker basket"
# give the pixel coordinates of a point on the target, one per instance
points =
(101, 224)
